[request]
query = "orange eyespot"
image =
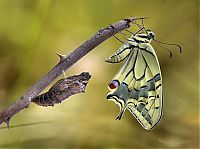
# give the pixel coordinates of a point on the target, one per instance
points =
(113, 84)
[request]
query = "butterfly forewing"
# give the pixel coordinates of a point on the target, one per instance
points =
(120, 54)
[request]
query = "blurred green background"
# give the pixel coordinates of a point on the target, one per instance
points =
(32, 31)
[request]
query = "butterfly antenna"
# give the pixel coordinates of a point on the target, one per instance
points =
(170, 52)
(180, 49)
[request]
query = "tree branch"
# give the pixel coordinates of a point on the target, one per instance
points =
(65, 63)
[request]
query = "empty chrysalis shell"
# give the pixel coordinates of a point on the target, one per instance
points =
(62, 89)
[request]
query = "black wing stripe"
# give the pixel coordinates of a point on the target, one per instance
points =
(158, 86)
(118, 54)
(157, 77)
(132, 70)
(147, 51)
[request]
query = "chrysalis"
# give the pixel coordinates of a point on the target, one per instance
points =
(62, 89)
(138, 85)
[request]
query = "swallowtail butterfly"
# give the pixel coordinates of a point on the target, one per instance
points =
(138, 85)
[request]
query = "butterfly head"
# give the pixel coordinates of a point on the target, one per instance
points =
(150, 34)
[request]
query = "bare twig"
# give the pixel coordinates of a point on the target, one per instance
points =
(65, 63)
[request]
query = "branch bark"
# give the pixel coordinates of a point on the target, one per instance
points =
(65, 63)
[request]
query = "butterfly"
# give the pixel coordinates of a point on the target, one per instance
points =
(138, 85)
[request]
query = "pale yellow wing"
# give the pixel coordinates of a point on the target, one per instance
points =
(120, 54)
(148, 82)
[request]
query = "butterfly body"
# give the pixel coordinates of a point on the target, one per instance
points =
(139, 81)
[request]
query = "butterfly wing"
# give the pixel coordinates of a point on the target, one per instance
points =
(140, 86)
(120, 54)
(148, 108)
